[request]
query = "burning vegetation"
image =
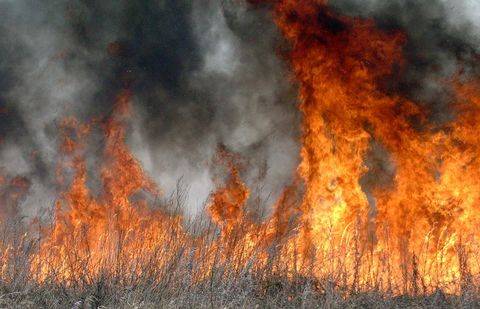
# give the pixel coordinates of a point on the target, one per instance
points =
(385, 198)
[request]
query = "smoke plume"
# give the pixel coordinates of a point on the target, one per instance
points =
(199, 74)
(202, 74)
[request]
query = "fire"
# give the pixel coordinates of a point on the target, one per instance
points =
(227, 203)
(412, 234)
(93, 232)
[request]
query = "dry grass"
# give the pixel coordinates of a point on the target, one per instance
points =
(186, 272)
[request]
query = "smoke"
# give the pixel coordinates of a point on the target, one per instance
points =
(202, 73)
(200, 77)
(39, 88)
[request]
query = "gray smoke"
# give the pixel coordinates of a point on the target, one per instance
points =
(202, 74)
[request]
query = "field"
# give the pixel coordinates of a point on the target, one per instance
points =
(335, 155)
(180, 274)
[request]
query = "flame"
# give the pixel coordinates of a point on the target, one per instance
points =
(227, 203)
(413, 235)
(415, 230)
(92, 231)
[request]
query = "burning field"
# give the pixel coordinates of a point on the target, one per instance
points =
(276, 153)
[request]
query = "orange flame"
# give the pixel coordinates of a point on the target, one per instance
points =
(418, 221)
(96, 230)
(414, 235)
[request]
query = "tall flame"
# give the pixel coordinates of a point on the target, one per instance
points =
(413, 234)
(97, 230)
(424, 219)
